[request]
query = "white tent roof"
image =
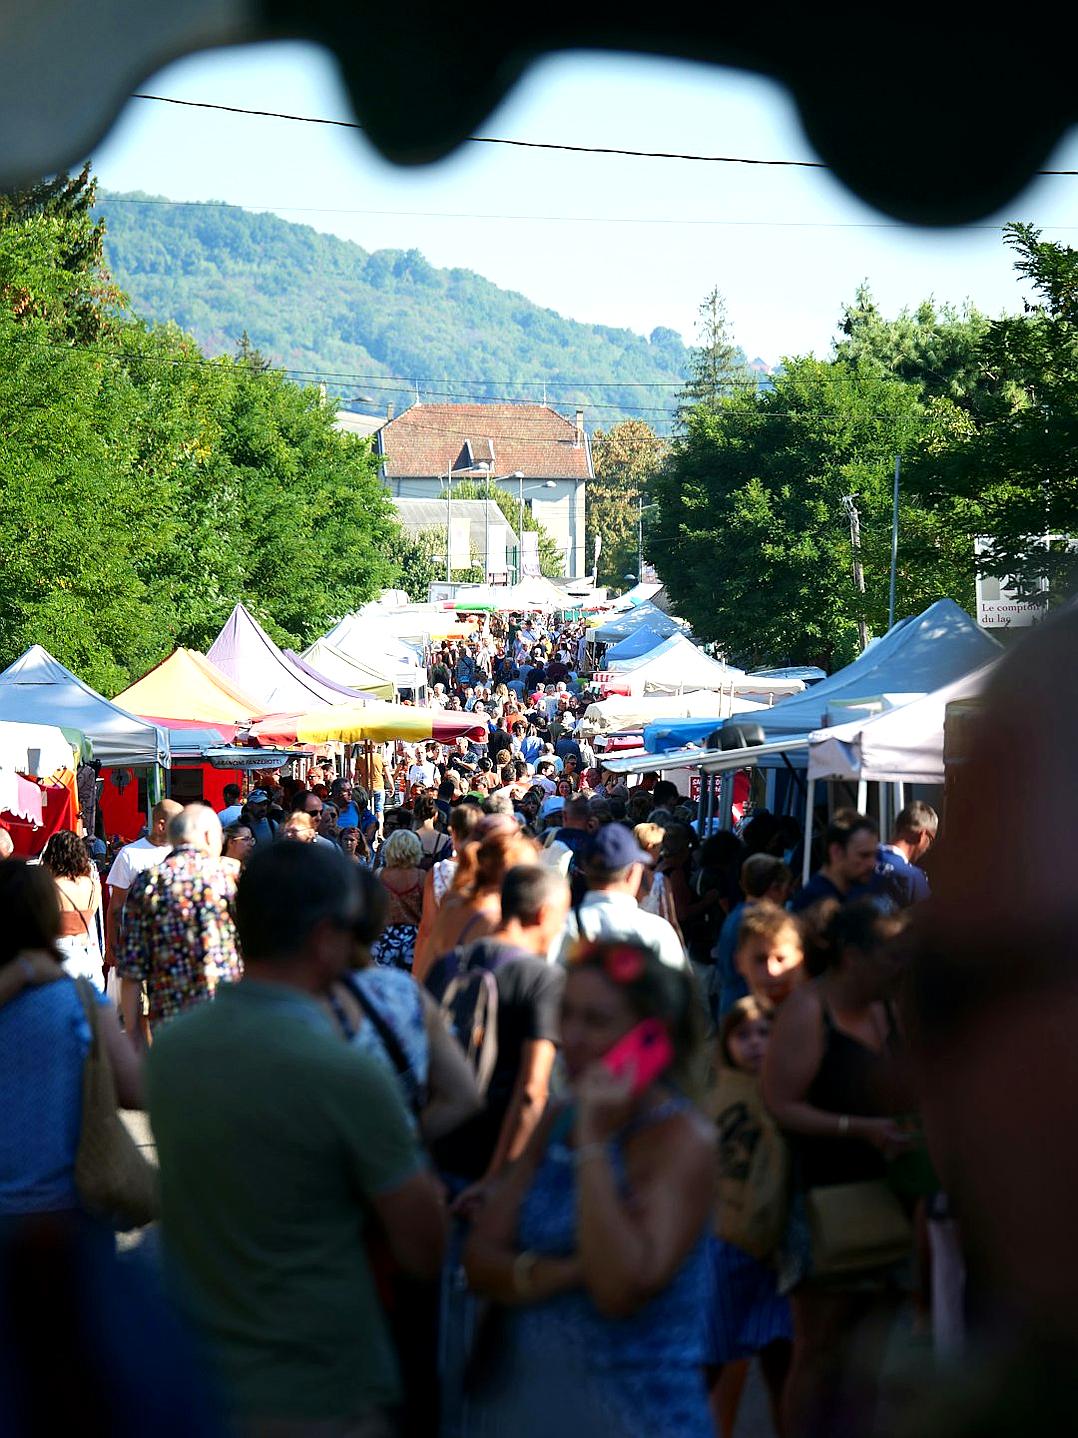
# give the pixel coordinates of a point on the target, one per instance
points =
(618, 626)
(248, 656)
(37, 689)
(917, 656)
(900, 745)
(371, 638)
(38, 749)
(677, 663)
(628, 713)
(537, 592)
(370, 673)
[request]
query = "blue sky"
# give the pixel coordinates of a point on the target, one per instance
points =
(792, 245)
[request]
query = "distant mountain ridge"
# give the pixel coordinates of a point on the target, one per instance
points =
(376, 324)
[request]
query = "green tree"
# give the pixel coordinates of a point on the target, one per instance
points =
(717, 367)
(55, 266)
(933, 347)
(626, 457)
(144, 488)
(1009, 471)
(750, 534)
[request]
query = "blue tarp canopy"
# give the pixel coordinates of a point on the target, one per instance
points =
(918, 655)
(646, 638)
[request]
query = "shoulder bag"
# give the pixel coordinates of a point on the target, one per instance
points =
(114, 1180)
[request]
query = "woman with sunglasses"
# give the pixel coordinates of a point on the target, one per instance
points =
(238, 846)
(594, 1246)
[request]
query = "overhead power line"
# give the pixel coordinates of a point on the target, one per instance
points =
(520, 144)
(493, 139)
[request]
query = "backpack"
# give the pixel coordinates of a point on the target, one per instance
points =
(470, 1010)
(443, 851)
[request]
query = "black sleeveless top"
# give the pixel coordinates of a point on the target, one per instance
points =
(852, 1079)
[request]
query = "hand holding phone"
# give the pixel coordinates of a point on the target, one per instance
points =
(641, 1056)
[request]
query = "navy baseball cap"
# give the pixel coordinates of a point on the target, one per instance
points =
(614, 847)
(258, 796)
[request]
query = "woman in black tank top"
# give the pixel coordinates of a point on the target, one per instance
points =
(833, 1079)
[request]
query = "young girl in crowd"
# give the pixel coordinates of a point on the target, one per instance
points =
(747, 1317)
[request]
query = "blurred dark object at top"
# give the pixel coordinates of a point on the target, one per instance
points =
(935, 121)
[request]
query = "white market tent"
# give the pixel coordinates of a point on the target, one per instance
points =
(537, 593)
(677, 663)
(37, 689)
(899, 746)
(370, 675)
(610, 715)
(642, 593)
(373, 637)
(915, 657)
(642, 641)
(619, 626)
(248, 656)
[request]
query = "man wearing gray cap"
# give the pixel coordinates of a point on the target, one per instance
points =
(613, 863)
(256, 816)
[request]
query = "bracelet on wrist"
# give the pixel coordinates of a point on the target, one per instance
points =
(844, 1125)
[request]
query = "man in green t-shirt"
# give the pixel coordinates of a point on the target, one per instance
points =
(280, 1145)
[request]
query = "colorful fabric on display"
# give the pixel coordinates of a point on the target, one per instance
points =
(59, 810)
(179, 934)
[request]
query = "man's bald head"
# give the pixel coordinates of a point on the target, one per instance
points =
(161, 816)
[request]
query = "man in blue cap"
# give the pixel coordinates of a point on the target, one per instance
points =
(613, 864)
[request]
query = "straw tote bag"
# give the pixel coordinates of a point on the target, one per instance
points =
(114, 1180)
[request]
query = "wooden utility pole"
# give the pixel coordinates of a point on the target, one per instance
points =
(858, 573)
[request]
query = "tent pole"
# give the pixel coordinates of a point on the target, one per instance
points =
(900, 796)
(810, 810)
(862, 795)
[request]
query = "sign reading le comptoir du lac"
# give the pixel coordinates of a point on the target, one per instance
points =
(999, 606)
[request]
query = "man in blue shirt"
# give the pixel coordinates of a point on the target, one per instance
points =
(850, 844)
(897, 873)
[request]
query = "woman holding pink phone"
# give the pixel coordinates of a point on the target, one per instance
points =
(594, 1246)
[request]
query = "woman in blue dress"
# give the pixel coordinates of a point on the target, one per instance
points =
(594, 1248)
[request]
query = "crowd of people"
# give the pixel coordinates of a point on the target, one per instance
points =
(487, 1093)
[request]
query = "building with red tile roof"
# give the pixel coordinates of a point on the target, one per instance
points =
(534, 453)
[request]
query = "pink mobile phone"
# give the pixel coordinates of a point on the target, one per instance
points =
(644, 1053)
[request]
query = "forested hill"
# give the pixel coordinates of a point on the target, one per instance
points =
(314, 303)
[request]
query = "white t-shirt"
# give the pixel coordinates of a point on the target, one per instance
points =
(618, 916)
(423, 774)
(134, 859)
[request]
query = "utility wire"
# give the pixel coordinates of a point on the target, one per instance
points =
(521, 144)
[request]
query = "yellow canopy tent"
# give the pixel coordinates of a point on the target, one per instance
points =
(185, 689)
